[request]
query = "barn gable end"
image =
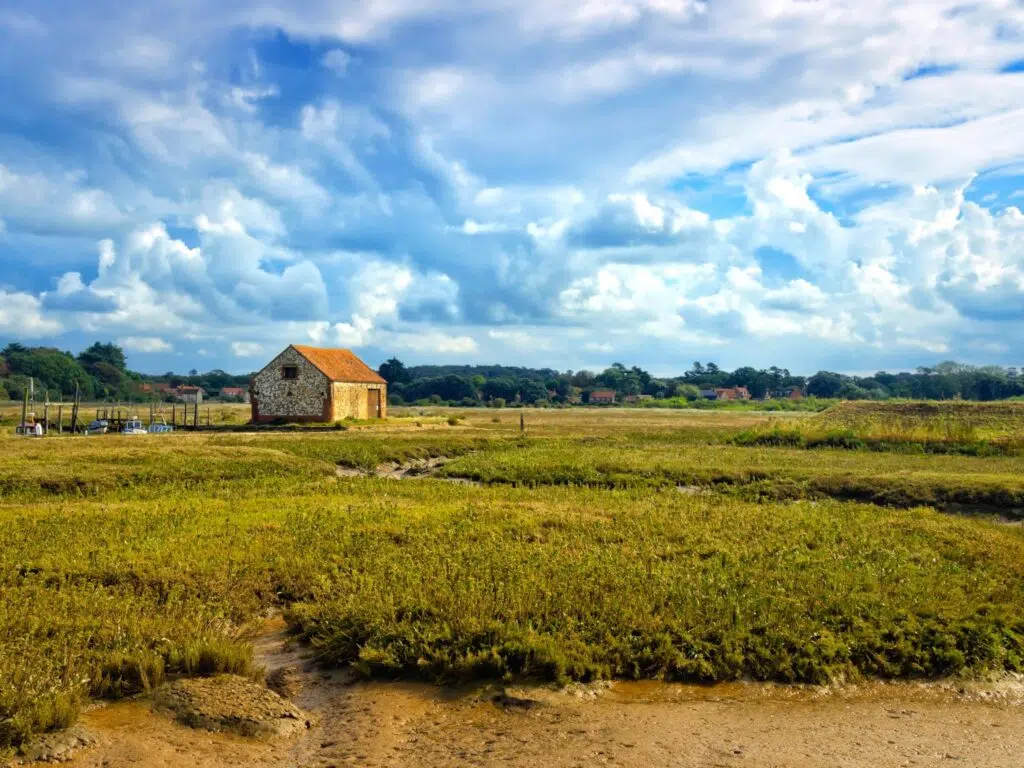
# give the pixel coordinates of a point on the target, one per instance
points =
(307, 397)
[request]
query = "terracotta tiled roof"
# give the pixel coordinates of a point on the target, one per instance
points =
(339, 364)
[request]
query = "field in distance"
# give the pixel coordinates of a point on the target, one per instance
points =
(638, 544)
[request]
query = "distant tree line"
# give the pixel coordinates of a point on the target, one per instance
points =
(502, 385)
(100, 372)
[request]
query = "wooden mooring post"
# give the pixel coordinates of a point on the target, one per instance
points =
(60, 418)
(74, 411)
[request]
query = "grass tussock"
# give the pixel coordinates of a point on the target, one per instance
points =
(915, 421)
(948, 437)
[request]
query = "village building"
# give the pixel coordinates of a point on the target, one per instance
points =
(190, 395)
(240, 392)
(315, 384)
(602, 397)
(732, 393)
(637, 398)
(788, 393)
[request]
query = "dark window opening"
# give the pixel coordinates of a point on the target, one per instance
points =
(290, 372)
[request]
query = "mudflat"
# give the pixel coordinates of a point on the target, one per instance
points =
(623, 724)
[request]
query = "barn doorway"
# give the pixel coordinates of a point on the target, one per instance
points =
(373, 403)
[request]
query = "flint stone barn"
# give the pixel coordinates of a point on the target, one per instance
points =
(314, 384)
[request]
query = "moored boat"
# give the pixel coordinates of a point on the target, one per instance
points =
(133, 427)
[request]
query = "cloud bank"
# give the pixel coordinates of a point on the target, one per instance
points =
(817, 185)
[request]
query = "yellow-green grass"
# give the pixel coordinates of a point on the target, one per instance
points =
(761, 472)
(912, 421)
(125, 560)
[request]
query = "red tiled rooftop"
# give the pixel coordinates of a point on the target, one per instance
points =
(339, 364)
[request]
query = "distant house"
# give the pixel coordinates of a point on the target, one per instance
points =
(240, 392)
(788, 393)
(732, 393)
(709, 394)
(602, 397)
(315, 384)
(189, 394)
(637, 398)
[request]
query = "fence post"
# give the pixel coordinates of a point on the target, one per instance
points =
(74, 411)
(60, 418)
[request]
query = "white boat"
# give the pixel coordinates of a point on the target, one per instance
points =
(29, 430)
(161, 428)
(97, 427)
(133, 427)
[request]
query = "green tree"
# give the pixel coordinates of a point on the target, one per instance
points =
(51, 368)
(824, 384)
(111, 354)
(531, 391)
(394, 371)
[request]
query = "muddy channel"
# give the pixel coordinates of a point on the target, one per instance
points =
(622, 724)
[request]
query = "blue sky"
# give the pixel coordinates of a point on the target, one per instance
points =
(807, 183)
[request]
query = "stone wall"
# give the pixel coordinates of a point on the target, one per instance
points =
(351, 400)
(307, 398)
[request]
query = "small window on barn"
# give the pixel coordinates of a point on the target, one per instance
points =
(290, 372)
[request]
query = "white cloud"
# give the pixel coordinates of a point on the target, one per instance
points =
(144, 344)
(34, 201)
(534, 340)
(285, 181)
(247, 99)
(246, 349)
(434, 342)
(21, 316)
(471, 227)
(558, 167)
(336, 60)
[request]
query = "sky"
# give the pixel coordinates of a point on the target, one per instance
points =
(814, 184)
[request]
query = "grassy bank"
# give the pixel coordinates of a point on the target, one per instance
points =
(125, 561)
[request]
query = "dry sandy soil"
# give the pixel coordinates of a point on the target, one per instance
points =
(622, 724)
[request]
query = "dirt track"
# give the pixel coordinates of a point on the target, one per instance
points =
(632, 725)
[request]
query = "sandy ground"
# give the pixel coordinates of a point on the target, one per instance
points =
(623, 724)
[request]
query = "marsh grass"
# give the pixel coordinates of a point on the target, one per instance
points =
(916, 421)
(968, 429)
(949, 437)
(126, 561)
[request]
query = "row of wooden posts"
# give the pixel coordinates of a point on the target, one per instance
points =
(190, 416)
(75, 404)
